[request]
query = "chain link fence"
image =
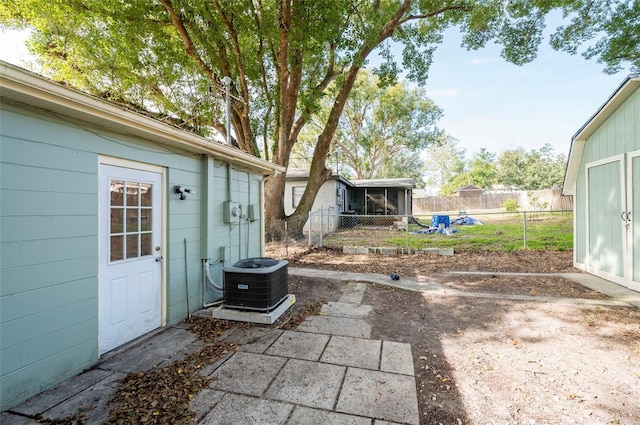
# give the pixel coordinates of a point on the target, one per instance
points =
(478, 230)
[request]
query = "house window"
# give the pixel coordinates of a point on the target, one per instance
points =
(341, 199)
(296, 192)
(130, 223)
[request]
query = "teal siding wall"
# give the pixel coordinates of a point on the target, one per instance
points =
(48, 222)
(617, 135)
(49, 240)
(227, 243)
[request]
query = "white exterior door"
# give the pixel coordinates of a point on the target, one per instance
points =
(130, 277)
(605, 230)
(613, 229)
(632, 219)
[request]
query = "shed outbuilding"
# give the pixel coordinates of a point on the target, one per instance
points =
(108, 220)
(603, 175)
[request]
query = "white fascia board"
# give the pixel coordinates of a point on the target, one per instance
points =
(25, 87)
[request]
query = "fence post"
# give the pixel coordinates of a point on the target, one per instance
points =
(525, 229)
(286, 238)
(321, 225)
(406, 232)
(310, 227)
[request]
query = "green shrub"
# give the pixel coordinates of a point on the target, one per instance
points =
(511, 205)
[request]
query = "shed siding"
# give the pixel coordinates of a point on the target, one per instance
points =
(49, 240)
(617, 135)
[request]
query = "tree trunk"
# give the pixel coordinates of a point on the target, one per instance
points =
(274, 208)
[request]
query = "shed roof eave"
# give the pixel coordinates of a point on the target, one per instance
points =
(579, 139)
(573, 165)
(23, 87)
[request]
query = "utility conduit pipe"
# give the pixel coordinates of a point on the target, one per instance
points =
(207, 281)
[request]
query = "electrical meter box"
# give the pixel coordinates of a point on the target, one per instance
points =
(252, 213)
(231, 212)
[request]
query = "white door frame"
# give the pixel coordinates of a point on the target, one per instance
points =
(632, 221)
(140, 166)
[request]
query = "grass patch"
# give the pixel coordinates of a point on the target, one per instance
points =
(545, 231)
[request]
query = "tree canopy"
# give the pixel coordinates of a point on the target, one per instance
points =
(514, 169)
(171, 56)
(383, 128)
(480, 172)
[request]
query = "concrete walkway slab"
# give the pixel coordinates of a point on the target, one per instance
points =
(357, 352)
(336, 326)
(604, 286)
(396, 358)
(253, 340)
(307, 416)
(205, 401)
(93, 402)
(166, 347)
(236, 409)
(353, 293)
(7, 418)
(299, 345)
(340, 309)
(424, 284)
(308, 383)
(379, 395)
(247, 373)
(61, 392)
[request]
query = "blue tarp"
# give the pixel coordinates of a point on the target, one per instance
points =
(431, 230)
(436, 220)
(467, 221)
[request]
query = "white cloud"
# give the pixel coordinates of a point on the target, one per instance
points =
(479, 61)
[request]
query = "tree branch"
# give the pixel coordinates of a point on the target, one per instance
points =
(178, 23)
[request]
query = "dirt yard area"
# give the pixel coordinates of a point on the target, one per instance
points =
(495, 361)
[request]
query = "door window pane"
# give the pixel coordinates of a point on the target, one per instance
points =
(117, 190)
(145, 219)
(132, 246)
(132, 194)
(145, 244)
(145, 194)
(116, 248)
(117, 220)
(130, 223)
(132, 220)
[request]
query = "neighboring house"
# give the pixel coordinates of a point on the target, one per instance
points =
(603, 174)
(468, 191)
(332, 194)
(107, 216)
(382, 196)
(339, 196)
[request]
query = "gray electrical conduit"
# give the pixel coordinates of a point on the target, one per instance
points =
(208, 281)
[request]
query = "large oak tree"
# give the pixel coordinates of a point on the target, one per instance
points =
(170, 56)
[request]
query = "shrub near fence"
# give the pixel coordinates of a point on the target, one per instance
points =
(500, 231)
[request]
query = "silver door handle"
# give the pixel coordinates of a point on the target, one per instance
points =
(159, 259)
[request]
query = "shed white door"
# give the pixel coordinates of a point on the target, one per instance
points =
(130, 282)
(633, 219)
(606, 233)
(613, 231)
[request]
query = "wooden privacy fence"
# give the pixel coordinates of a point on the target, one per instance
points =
(549, 199)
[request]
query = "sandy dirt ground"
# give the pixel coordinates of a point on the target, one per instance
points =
(491, 360)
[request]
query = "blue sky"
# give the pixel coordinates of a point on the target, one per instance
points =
(494, 104)
(489, 102)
